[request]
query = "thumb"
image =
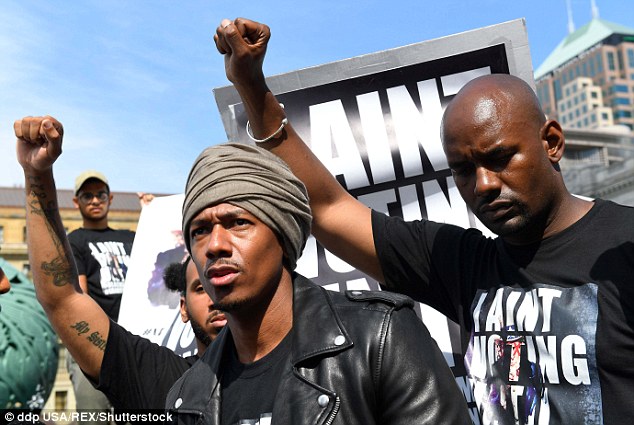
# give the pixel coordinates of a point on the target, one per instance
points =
(50, 131)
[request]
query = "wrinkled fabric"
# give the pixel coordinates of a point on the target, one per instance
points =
(252, 178)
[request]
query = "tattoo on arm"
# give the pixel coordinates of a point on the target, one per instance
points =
(60, 268)
(95, 337)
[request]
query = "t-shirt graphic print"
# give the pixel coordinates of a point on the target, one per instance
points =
(531, 346)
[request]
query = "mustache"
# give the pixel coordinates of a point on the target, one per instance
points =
(215, 313)
(224, 262)
(497, 198)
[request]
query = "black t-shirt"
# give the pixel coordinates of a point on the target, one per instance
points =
(103, 256)
(137, 373)
(249, 390)
(547, 328)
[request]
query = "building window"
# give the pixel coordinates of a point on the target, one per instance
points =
(26, 269)
(611, 66)
(630, 57)
(599, 64)
(621, 101)
(61, 399)
(604, 116)
(24, 234)
(557, 86)
(594, 95)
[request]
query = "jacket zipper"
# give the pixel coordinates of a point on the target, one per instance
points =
(331, 418)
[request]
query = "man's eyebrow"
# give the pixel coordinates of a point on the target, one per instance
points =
(230, 214)
(234, 213)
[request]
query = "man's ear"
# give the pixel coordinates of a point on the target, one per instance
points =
(76, 202)
(553, 138)
(184, 313)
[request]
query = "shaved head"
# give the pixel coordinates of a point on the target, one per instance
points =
(495, 99)
(504, 156)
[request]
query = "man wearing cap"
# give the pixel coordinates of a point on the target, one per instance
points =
(101, 255)
(293, 352)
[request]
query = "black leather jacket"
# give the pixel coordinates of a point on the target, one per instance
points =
(358, 359)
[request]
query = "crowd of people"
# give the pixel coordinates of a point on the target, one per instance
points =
(545, 309)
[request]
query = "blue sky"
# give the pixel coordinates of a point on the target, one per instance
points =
(132, 80)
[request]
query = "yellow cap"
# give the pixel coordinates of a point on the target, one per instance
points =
(87, 175)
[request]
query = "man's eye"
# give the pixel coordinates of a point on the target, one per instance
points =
(197, 232)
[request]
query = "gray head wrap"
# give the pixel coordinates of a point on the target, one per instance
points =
(252, 178)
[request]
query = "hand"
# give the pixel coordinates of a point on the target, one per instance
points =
(243, 42)
(39, 142)
(145, 198)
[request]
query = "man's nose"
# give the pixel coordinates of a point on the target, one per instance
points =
(219, 242)
(486, 182)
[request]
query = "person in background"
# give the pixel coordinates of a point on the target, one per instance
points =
(102, 257)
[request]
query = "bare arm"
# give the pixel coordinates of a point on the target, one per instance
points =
(83, 283)
(340, 222)
(80, 323)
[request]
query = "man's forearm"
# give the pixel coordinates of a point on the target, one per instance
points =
(50, 256)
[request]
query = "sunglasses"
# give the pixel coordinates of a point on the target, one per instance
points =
(86, 197)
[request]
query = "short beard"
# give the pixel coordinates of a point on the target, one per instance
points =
(199, 332)
(231, 306)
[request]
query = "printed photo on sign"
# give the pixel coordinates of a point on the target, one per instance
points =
(148, 308)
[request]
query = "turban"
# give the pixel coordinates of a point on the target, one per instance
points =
(254, 179)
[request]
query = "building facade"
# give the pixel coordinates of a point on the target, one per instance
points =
(587, 82)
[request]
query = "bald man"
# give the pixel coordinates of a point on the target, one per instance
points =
(547, 308)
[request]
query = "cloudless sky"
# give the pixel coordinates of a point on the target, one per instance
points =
(132, 80)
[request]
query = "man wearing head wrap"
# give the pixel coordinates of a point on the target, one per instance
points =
(292, 352)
